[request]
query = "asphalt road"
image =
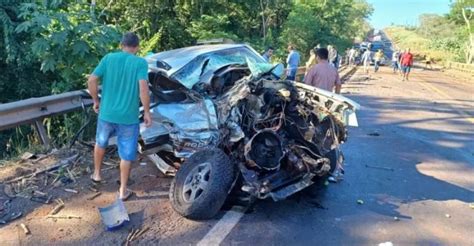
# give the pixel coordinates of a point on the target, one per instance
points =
(411, 162)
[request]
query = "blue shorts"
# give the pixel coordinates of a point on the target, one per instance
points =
(127, 138)
(406, 69)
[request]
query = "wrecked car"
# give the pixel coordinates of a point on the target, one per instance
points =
(225, 124)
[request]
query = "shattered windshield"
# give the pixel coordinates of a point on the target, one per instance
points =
(259, 68)
(189, 75)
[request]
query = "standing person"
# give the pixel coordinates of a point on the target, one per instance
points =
(352, 56)
(268, 54)
(366, 58)
(395, 64)
(323, 75)
(332, 57)
(311, 61)
(347, 56)
(124, 84)
(407, 62)
(400, 72)
(428, 62)
(377, 60)
(292, 61)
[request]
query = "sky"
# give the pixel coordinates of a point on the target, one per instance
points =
(404, 12)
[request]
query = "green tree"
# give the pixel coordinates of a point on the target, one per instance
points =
(336, 22)
(67, 40)
(462, 12)
(208, 27)
(156, 22)
(302, 28)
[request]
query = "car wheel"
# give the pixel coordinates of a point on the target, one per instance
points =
(202, 184)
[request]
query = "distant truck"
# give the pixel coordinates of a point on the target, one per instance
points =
(375, 46)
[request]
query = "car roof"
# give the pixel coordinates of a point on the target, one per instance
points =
(178, 58)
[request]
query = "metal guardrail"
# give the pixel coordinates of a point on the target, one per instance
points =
(463, 67)
(33, 110)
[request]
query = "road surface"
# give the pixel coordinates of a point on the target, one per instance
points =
(411, 163)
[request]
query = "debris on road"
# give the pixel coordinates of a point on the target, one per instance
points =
(360, 202)
(58, 207)
(71, 175)
(41, 199)
(380, 167)
(28, 156)
(3, 206)
(25, 229)
(94, 196)
(39, 193)
(149, 176)
(447, 216)
(386, 244)
(64, 217)
(132, 232)
(62, 163)
(135, 234)
(396, 218)
(11, 217)
(8, 191)
(374, 134)
(471, 205)
(110, 164)
(139, 233)
(142, 163)
(71, 191)
(92, 188)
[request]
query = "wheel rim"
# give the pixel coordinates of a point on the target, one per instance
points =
(196, 182)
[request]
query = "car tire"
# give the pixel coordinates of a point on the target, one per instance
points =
(202, 184)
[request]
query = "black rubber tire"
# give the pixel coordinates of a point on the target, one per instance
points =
(221, 178)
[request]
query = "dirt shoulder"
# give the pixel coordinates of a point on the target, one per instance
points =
(78, 222)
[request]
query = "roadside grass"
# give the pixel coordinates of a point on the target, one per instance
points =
(61, 129)
(405, 38)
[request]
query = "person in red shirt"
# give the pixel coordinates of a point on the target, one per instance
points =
(407, 62)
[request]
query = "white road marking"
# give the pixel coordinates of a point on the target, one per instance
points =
(223, 227)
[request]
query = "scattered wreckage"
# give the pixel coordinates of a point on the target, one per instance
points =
(229, 125)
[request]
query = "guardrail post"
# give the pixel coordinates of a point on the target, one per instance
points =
(43, 135)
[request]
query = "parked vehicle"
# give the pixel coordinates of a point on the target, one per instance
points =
(231, 127)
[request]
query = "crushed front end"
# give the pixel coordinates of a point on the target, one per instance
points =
(282, 135)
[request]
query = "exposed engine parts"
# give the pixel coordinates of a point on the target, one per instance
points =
(283, 139)
(264, 151)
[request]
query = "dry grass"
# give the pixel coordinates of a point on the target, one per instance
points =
(404, 38)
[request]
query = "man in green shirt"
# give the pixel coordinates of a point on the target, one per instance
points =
(124, 82)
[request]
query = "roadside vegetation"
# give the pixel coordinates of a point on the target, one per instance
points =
(442, 37)
(48, 47)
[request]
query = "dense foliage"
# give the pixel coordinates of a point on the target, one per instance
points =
(50, 46)
(447, 37)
